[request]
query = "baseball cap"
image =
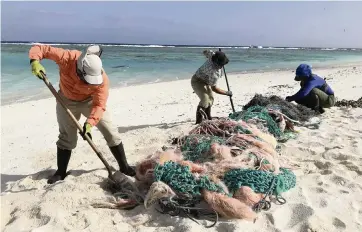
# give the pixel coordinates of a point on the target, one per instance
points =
(303, 70)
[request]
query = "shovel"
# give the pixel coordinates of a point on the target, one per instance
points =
(227, 84)
(113, 177)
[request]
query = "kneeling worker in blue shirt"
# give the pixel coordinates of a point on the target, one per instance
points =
(314, 93)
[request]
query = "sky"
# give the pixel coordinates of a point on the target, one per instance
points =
(307, 24)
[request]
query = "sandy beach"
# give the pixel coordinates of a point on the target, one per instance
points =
(327, 196)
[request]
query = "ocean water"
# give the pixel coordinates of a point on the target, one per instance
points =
(136, 64)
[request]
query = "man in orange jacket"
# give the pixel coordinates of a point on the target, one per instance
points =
(84, 87)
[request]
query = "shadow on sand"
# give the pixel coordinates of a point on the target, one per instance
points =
(160, 126)
(42, 175)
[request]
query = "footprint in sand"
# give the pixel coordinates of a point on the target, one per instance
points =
(299, 213)
(35, 213)
(323, 165)
(336, 154)
(352, 167)
(344, 191)
(320, 190)
(224, 226)
(354, 186)
(338, 180)
(357, 145)
(270, 218)
(326, 172)
(317, 149)
(339, 224)
(323, 203)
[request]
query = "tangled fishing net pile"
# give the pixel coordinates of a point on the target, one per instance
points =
(293, 111)
(275, 115)
(231, 164)
(351, 103)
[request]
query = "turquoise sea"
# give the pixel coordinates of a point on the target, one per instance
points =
(137, 64)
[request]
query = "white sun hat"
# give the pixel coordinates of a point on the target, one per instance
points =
(89, 64)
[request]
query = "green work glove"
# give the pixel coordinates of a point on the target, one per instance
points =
(37, 69)
(86, 130)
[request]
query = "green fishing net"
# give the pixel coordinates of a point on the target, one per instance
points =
(242, 130)
(180, 178)
(260, 181)
(260, 113)
(196, 147)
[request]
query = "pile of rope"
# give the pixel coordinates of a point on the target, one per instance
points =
(351, 103)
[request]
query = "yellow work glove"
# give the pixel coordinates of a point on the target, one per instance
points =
(86, 130)
(37, 69)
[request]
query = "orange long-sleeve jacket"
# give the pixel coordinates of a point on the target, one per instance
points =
(70, 84)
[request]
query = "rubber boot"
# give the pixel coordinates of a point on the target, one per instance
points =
(63, 157)
(208, 113)
(199, 116)
(119, 155)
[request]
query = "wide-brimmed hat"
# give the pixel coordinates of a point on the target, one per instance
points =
(90, 65)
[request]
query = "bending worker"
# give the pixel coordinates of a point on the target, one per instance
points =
(314, 93)
(84, 87)
(204, 81)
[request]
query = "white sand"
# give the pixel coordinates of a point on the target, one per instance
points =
(329, 183)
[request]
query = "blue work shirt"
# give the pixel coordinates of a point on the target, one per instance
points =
(312, 82)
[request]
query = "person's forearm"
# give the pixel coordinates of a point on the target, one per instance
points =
(218, 90)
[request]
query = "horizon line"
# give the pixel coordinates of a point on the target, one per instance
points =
(179, 45)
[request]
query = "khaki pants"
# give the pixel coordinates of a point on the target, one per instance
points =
(203, 91)
(317, 97)
(68, 132)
